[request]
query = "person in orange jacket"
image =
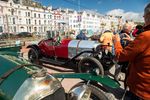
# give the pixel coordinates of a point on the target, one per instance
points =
(107, 40)
(138, 55)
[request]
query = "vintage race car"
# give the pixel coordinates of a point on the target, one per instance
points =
(78, 52)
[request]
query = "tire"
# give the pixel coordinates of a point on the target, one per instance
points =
(97, 93)
(89, 64)
(33, 56)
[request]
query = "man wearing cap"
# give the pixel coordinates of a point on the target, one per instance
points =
(127, 27)
(138, 55)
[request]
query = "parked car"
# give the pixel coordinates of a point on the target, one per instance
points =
(83, 54)
(24, 34)
(7, 35)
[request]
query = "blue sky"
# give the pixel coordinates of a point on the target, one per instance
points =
(102, 6)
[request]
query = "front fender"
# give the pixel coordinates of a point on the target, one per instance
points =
(105, 80)
(34, 46)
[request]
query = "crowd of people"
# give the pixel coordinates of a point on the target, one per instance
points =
(137, 53)
(132, 46)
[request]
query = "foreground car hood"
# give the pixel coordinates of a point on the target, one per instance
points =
(10, 85)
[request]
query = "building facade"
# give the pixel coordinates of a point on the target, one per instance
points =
(19, 18)
(16, 17)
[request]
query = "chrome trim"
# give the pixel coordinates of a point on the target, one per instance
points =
(81, 92)
(77, 46)
(37, 88)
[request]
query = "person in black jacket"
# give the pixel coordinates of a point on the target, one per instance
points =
(82, 36)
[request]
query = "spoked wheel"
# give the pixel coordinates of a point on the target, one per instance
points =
(33, 56)
(96, 92)
(90, 65)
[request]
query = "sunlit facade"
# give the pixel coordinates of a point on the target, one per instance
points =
(19, 18)
(14, 18)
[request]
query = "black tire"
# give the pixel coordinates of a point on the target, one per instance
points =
(97, 93)
(33, 56)
(89, 64)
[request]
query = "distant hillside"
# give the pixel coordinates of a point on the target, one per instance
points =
(32, 3)
(139, 23)
(15, 1)
(4, 0)
(27, 3)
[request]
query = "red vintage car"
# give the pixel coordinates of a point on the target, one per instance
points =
(85, 55)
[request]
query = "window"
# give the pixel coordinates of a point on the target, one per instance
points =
(39, 15)
(35, 15)
(13, 20)
(29, 29)
(35, 29)
(14, 28)
(19, 12)
(57, 17)
(20, 20)
(44, 16)
(26, 21)
(29, 21)
(44, 21)
(28, 14)
(1, 29)
(35, 22)
(12, 11)
(39, 22)
(50, 16)
(44, 29)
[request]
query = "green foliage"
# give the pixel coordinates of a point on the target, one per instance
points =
(139, 23)
(32, 3)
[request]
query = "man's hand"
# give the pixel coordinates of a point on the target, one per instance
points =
(127, 37)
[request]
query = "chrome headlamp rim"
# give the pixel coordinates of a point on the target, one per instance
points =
(79, 92)
(37, 88)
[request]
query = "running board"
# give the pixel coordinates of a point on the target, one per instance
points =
(51, 61)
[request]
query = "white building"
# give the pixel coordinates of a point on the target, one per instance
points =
(60, 20)
(16, 18)
(83, 20)
(19, 18)
(109, 22)
(73, 19)
(90, 20)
